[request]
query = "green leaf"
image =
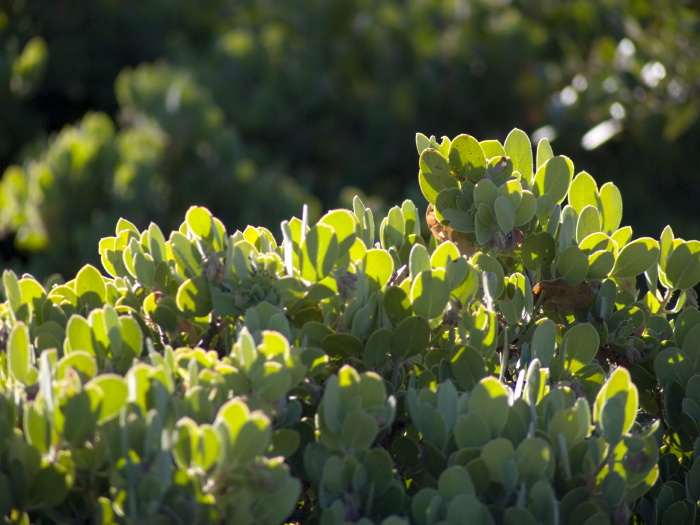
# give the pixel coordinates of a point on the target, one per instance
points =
(691, 345)
(544, 152)
(692, 482)
(666, 242)
(635, 258)
(495, 454)
(90, 287)
(125, 225)
(683, 265)
(600, 264)
(342, 345)
(445, 253)
(490, 399)
(612, 419)
(156, 244)
(80, 361)
(194, 298)
(553, 178)
(345, 225)
(672, 364)
(432, 425)
(252, 439)
(500, 170)
(80, 412)
(422, 143)
(207, 451)
(112, 261)
(185, 442)
(114, 392)
(36, 426)
(33, 294)
(245, 435)
(419, 259)
(49, 486)
(468, 367)
(580, 344)
(463, 279)
(430, 293)
(538, 251)
(588, 222)
(358, 430)
(20, 356)
(543, 342)
(492, 148)
(79, 335)
(572, 265)
(610, 208)
(517, 146)
(622, 235)
(375, 354)
(583, 192)
(485, 192)
(484, 224)
(596, 242)
(505, 214)
(186, 254)
(434, 174)
(12, 290)
(471, 431)
(132, 338)
(619, 384)
(453, 481)
(379, 266)
(534, 457)
(686, 320)
(396, 304)
(319, 252)
(411, 337)
(145, 269)
(285, 442)
(570, 425)
(491, 265)
(518, 515)
(467, 159)
(391, 231)
(200, 222)
(526, 209)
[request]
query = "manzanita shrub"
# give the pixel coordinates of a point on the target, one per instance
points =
(500, 366)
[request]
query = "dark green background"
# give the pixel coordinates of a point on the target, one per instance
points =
(253, 108)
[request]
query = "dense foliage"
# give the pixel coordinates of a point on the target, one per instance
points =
(319, 98)
(504, 370)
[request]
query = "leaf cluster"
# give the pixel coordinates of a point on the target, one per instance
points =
(356, 371)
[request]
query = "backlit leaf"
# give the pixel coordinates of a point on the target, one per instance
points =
(434, 174)
(583, 192)
(683, 265)
(430, 293)
(579, 346)
(517, 146)
(635, 258)
(467, 159)
(610, 207)
(554, 178)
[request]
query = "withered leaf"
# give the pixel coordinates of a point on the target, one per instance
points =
(558, 292)
(444, 233)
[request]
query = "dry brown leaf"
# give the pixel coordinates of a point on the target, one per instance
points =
(558, 292)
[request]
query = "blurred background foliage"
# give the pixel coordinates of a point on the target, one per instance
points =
(139, 109)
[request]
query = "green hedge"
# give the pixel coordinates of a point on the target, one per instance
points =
(504, 369)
